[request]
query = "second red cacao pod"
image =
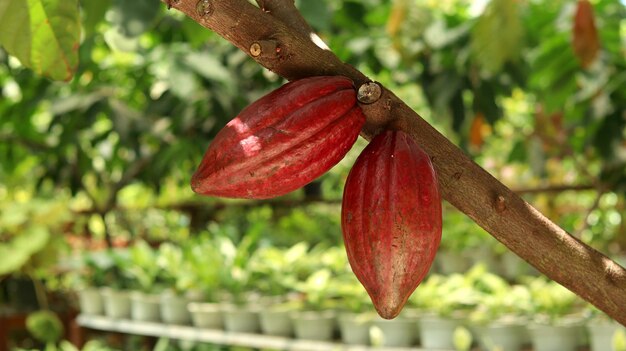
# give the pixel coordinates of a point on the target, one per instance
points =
(391, 219)
(282, 141)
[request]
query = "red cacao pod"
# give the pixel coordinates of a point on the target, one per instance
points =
(391, 219)
(282, 141)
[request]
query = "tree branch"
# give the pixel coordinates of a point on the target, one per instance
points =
(553, 189)
(463, 183)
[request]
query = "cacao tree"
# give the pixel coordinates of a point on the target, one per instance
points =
(137, 111)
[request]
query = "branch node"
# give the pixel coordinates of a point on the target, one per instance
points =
(369, 93)
(204, 8)
(500, 204)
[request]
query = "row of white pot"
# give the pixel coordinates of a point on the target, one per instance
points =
(507, 265)
(166, 307)
(411, 328)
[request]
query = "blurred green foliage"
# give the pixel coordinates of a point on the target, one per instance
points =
(45, 326)
(117, 144)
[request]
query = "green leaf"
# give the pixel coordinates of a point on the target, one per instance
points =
(208, 66)
(497, 37)
(18, 251)
(317, 13)
(12, 261)
(43, 34)
(93, 13)
(133, 18)
(13, 36)
(518, 153)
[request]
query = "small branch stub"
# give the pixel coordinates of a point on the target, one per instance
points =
(369, 93)
(255, 49)
(264, 48)
(500, 204)
(204, 8)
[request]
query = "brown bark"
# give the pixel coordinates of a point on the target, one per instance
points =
(463, 183)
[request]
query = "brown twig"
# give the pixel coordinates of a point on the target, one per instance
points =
(553, 189)
(463, 183)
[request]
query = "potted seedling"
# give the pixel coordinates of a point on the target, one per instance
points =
(145, 273)
(205, 262)
(276, 277)
(315, 319)
(90, 281)
(356, 312)
(604, 332)
(175, 271)
(501, 314)
(557, 318)
(239, 302)
(116, 294)
(446, 303)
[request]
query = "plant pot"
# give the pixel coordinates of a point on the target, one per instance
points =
(498, 336)
(398, 332)
(314, 325)
(206, 315)
(90, 301)
(240, 319)
(438, 332)
(601, 334)
(145, 307)
(174, 309)
(276, 321)
(554, 337)
(355, 328)
(116, 303)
